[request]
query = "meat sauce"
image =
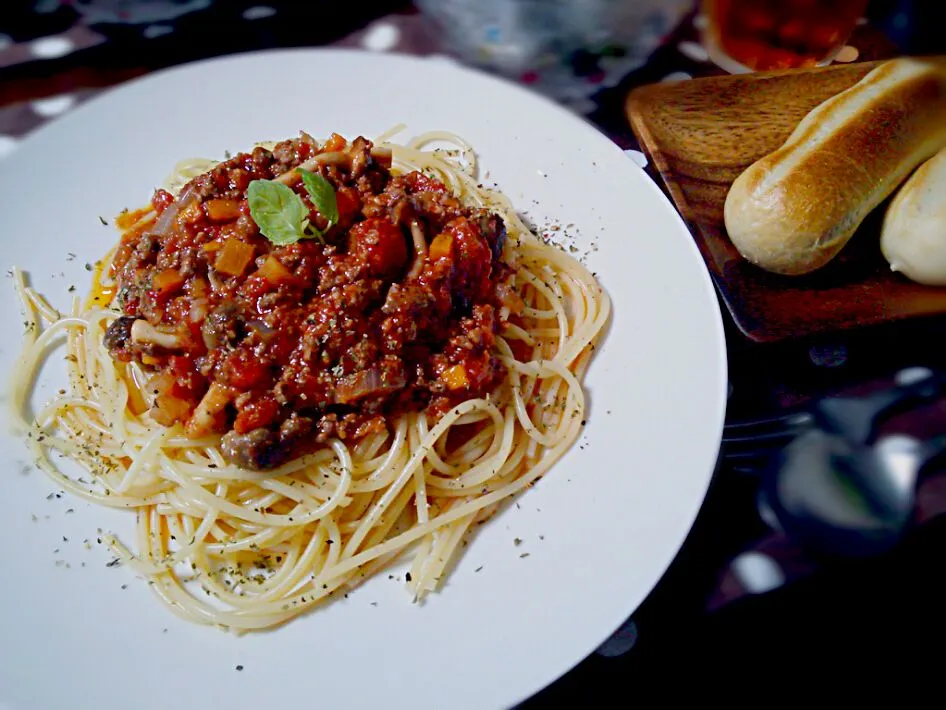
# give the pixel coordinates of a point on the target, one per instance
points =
(280, 347)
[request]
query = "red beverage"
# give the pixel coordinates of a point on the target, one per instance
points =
(777, 34)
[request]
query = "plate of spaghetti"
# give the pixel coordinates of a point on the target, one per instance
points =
(344, 378)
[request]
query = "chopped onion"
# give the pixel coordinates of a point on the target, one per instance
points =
(261, 328)
(204, 419)
(420, 249)
(143, 332)
(198, 311)
(164, 221)
(366, 383)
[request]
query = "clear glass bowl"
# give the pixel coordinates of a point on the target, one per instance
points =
(568, 49)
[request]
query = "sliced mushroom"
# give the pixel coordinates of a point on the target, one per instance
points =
(340, 159)
(204, 420)
(256, 450)
(143, 333)
(118, 333)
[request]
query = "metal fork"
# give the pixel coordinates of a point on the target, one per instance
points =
(747, 446)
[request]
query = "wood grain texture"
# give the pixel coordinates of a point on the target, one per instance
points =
(700, 134)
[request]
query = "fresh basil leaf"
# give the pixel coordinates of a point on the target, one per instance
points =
(280, 213)
(322, 194)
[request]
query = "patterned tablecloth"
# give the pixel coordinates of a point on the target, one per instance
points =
(737, 578)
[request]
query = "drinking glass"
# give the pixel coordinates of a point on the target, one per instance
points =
(755, 35)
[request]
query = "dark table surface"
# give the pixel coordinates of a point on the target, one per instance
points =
(741, 601)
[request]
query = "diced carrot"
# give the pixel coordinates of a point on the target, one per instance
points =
(167, 281)
(191, 214)
(233, 257)
(198, 288)
(440, 246)
(128, 218)
(220, 210)
(334, 144)
(212, 246)
(455, 378)
(273, 270)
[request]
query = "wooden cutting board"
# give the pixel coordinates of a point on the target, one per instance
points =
(700, 134)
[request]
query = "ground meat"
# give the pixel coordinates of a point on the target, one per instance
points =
(222, 326)
(325, 337)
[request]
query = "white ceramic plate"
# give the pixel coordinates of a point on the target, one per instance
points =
(600, 529)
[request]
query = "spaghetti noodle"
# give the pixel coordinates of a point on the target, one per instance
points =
(246, 549)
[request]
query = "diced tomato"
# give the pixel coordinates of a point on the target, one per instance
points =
(256, 414)
(472, 256)
(419, 182)
(255, 286)
(304, 150)
(180, 365)
(198, 347)
(281, 347)
(162, 200)
(188, 383)
(348, 203)
(381, 244)
(244, 371)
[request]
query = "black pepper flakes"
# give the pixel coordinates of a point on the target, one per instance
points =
(239, 667)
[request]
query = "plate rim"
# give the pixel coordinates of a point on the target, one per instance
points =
(591, 133)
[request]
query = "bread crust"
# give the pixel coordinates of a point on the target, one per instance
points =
(913, 236)
(792, 211)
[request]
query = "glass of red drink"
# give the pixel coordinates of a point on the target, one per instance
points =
(755, 35)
